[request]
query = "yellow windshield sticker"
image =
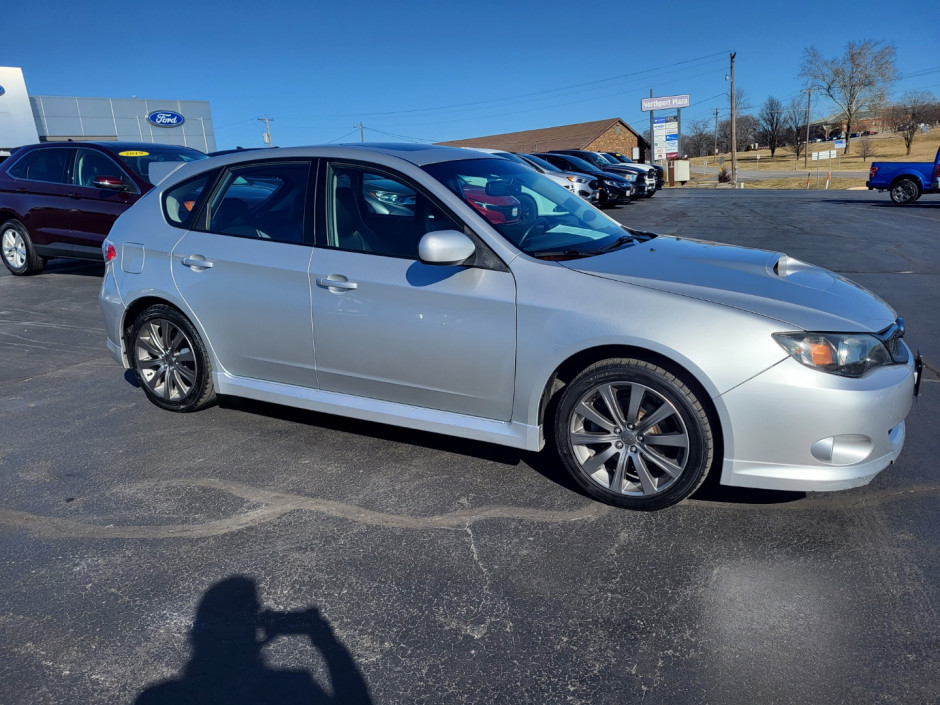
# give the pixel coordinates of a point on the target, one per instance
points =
(133, 153)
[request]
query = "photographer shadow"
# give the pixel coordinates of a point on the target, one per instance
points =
(227, 664)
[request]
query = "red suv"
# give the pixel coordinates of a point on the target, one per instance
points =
(60, 199)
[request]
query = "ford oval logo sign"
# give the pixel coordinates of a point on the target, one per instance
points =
(2, 90)
(165, 118)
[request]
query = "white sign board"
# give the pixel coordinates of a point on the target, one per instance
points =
(833, 154)
(669, 102)
(839, 144)
(815, 156)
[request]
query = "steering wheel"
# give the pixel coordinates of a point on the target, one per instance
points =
(539, 226)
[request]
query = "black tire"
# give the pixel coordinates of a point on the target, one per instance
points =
(904, 191)
(654, 465)
(17, 251)
(170, 360)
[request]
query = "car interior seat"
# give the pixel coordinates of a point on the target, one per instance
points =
(351, 231)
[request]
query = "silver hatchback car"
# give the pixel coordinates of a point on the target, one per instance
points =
(404, 284)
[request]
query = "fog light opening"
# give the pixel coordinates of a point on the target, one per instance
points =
(845, 449)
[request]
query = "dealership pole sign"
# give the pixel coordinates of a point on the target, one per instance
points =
(165, 118)
(665, 131)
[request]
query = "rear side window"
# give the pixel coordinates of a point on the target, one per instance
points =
(181, 203)
(266, 201)
(48, 165)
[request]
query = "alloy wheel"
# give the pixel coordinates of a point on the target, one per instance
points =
(629, 439)
(165, 359)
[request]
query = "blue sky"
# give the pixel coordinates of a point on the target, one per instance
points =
(433, 71)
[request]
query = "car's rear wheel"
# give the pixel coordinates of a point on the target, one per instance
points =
(904, 191)
(170, 360)
(633, 435)
(17, 249)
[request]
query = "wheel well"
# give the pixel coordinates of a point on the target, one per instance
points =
(7, 215)
(907, 177)
(571, 367)
(138, 307)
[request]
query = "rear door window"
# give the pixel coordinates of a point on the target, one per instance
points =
(266, 201)
(47, 165)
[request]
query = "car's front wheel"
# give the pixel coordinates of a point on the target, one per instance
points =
(170, 360)
(17, 249)
(633, 435)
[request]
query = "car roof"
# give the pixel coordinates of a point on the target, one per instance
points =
(108, 145)
(417, 154)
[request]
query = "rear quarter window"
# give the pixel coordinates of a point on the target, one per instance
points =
(182, 202)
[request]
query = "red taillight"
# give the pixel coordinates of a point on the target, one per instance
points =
(872, 172)
(109, 252)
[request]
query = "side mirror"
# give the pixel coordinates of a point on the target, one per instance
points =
(445, 247)
(113, 183)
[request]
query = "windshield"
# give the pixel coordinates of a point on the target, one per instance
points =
(532, 212)
(541, 163)
(579, 163)
(139, 159)
(606, 158)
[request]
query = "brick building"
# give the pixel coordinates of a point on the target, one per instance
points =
(613, 135)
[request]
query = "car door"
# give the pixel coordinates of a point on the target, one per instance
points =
(94, 209)
(42, 186)
(243, 268)
(389, 327)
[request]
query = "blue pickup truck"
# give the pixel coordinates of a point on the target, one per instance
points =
(906, 181)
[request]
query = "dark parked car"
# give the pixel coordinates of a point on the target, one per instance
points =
(660, 172)
(60, 199)
(614, 187)
(645, 186)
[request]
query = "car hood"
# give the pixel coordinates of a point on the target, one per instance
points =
(769, 284)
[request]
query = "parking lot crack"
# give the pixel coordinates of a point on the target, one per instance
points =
(275, 505)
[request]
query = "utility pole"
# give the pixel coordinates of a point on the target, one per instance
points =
(267, 129)
(716, 133)
(652, 158)
(809, 95)
(734, 131)
(361, 133)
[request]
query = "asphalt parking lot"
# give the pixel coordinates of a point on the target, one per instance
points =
(253, 550)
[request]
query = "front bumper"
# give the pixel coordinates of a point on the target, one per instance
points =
(799, 429)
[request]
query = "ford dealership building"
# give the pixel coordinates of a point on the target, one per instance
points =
(27, 119)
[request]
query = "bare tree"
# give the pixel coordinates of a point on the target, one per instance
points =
(908, 113)
(866, 147)
(859, 80)
(697, 141)
(794, 125)
(771, 123)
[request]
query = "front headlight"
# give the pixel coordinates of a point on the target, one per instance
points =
(846, 354)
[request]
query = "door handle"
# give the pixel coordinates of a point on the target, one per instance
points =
(197, 263)
(336, 281)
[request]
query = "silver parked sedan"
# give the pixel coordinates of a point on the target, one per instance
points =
(402, 284)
